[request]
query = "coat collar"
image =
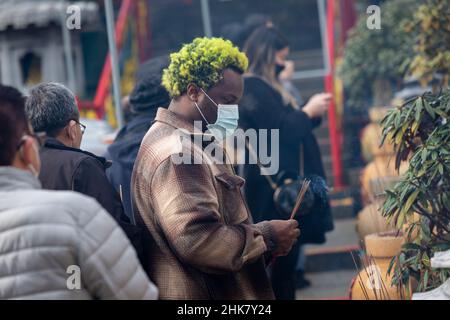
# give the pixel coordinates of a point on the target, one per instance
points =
(12, 178)
(52, 143)
(174, 120)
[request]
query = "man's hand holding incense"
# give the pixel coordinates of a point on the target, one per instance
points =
(286, 232)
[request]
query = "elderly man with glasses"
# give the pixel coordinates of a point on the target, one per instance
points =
(52, 108)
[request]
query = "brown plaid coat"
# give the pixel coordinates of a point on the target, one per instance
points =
(203, 243)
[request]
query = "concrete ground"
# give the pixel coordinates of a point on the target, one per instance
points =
(327, 285)
(330, 267)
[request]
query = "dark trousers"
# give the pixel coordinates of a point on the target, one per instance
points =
(283, 275)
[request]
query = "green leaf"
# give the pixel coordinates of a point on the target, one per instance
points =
(419, 108)
(411, 200)
(415, 126)
(425, 280)
(443, 275)
(411, 246)
(441, 247)
(429, 109)
(406, 190)
(434, 156)
(424, 154)
(425, 230)
(399, 137)
(401, 258)
(391, 265)
(411, 108)
(441, 113)
(426, 260)
(401, 218)
(397, 120)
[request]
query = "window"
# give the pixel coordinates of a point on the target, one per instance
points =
(31, 69)
(298, 20)
(172, 23)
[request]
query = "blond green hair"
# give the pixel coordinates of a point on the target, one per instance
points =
(201, 62)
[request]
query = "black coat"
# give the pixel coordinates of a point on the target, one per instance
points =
(262, 107)
(65, 168)
(123, 153)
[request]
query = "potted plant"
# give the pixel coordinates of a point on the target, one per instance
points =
(373, 281)
(420, 132)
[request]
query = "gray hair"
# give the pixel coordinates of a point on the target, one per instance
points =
(50, 107)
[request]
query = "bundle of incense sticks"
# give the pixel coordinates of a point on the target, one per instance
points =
(298, 202)
(300, 197)
(378, 290)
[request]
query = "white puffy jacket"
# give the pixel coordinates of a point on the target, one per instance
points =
(46, 237)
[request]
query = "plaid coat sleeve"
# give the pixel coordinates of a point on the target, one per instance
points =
(186, 207)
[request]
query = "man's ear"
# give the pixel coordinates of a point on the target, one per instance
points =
(193, 92)
(27, 152)
(71, 130)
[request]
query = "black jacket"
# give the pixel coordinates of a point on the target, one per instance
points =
(65, 168)
(123, 153)
(262, 107)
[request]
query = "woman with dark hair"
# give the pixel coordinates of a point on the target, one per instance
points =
(266, 104)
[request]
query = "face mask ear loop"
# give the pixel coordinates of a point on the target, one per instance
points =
(210, 98)
(201, 113)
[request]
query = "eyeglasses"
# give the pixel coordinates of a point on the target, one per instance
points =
(40, 138)
(82, 126)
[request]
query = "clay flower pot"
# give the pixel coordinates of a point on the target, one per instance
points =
(373, 282)
(370, 221)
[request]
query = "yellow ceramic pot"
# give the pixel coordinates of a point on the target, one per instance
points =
(370, 221)
(373, 282)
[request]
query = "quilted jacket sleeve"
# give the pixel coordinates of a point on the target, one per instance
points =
(109, 265)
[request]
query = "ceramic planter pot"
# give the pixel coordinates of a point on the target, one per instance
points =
(373, 282)
(370, 221)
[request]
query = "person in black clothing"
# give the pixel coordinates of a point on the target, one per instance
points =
(267, 105)
(52, 109)
(147, 96)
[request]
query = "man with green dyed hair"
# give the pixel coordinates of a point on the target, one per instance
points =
(202, 243)
(202, 62)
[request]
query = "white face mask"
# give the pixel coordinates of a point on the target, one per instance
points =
(227, 119)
